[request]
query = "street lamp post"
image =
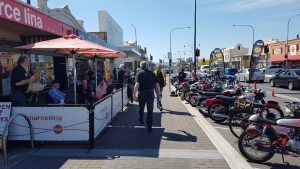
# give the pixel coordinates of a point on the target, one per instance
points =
(170, 53)
(195, 38)
(287, 40)
(252, 31)
(135, 34)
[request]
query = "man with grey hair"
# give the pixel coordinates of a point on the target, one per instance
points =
(144, 93)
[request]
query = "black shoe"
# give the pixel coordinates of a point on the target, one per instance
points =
(161, 109)
(149, 129)
(141, 121)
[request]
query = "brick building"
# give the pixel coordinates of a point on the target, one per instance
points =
(277, 52)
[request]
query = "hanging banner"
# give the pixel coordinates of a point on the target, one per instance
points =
(219, 57)
(107, 69)
(211, 60)
(256, 52)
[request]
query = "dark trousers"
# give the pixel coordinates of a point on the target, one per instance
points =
(146, 97)
(18, 98)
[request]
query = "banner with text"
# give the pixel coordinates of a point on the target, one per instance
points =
(257, 50)
(219, 57)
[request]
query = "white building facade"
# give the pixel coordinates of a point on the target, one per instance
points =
(234, 56)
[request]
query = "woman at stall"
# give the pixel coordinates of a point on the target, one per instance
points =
(101, 88)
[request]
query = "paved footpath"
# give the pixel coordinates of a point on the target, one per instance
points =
(177, 141)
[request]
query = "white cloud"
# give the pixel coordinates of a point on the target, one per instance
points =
(241, 5)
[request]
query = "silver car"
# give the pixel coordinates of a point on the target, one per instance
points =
(243, 75)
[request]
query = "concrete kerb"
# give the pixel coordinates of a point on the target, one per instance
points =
(231, 156)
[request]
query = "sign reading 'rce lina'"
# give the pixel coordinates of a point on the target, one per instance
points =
(19, 13)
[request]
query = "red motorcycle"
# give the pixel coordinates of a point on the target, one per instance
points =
(263, 138)
(224, 103)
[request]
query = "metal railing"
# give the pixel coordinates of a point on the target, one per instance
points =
(5, 134)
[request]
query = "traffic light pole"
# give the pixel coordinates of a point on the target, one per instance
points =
(195, 35)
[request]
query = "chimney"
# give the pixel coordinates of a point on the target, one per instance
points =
(297, 36)
(42, 4)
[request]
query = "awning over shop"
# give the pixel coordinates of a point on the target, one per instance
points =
(282, 58)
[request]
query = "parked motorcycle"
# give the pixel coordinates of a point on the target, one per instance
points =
(263, 138)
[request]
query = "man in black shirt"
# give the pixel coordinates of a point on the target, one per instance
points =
(20, 81)
(84, 92)
(144, 86)
(181, 76)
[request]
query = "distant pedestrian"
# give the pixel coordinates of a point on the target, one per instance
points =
(161, 77)
(115, 74)
(121, 76)
(181, 76)
(144, 87)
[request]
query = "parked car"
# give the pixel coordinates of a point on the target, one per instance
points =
(271, 71)
(231, 71)
(243, 75)
(289, 78)
(204, 68)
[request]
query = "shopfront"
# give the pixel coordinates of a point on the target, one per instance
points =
(20, 24)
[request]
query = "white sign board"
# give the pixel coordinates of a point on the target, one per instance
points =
(5, 109)
(293, 50)
(102, 115)
(51, 124)
(117, 103)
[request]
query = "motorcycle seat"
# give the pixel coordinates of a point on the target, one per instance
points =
(211, 93)
(226, 99)
(259, 106)
(263, 120)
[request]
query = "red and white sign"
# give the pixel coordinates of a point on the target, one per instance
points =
(17, 12)
(293, 50)
(5, 109)
(51, 124)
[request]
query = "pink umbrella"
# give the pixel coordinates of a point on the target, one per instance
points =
(70, 44)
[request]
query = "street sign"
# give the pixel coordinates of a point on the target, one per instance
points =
(169, 55)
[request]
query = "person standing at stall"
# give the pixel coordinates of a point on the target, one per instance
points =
(144, 93)
(160, 74)
(84, 92)
(20, 81)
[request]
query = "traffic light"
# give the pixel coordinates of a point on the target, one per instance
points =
(151, 57)
(160, 61)
(266, 49)
(197, 52)
(203, 60)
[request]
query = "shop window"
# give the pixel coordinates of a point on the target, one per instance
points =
(239, 47)
(7, 62)
(42, 66)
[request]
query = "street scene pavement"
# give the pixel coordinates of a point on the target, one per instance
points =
(176, 142)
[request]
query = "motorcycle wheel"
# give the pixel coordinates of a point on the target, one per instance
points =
(214, 107)
(194, 100)
(246, 149)
(238, 123)
(272, 114)
(214, 115)
(187, 96)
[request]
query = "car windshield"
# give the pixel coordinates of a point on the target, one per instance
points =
(297, 72)
(205, 67)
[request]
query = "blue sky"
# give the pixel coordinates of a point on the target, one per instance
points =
(155, 18)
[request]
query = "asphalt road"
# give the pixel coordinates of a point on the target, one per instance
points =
(282, 95)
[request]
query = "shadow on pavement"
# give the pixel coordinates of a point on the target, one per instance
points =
(126, 132)
(166, 111)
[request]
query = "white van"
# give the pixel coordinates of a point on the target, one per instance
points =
(204, 68)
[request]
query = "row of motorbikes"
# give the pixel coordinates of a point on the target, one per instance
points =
(261, 126)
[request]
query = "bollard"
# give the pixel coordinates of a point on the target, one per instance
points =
(273, 92)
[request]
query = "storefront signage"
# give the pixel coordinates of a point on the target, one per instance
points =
(51, 124)
(277, 51)
(20, 13)
(293, 50)
(255, 56)
(5, 109)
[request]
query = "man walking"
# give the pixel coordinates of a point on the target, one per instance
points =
(161, 77)
(144, 87)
